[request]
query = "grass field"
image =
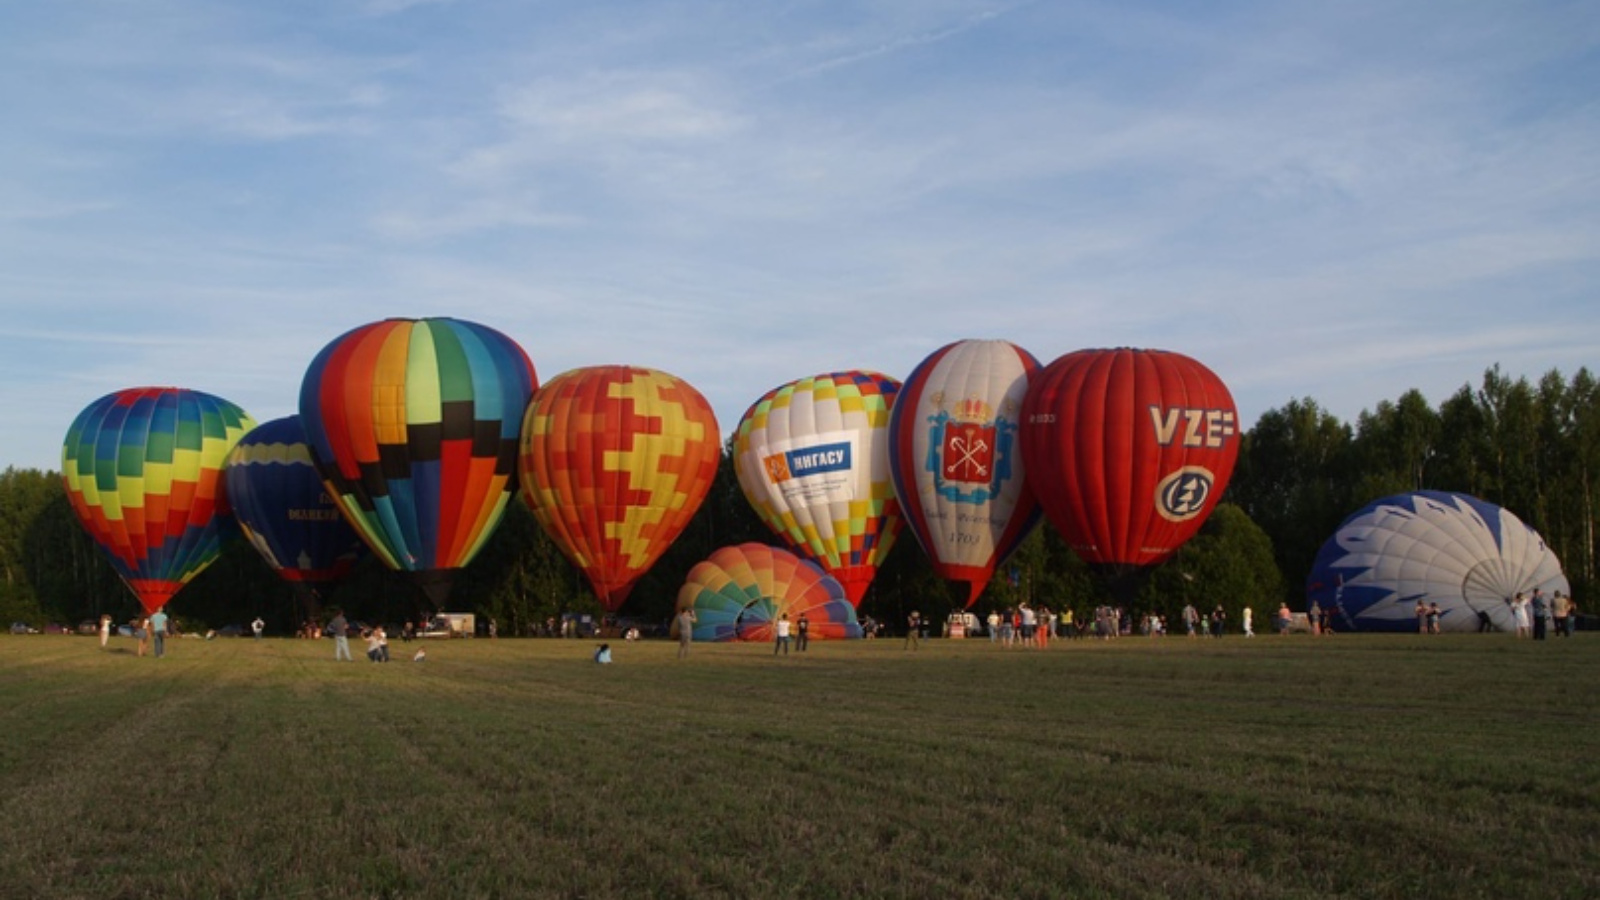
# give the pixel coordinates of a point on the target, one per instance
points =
(1453, 766)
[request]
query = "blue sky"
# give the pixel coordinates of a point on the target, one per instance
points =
(1339, 201)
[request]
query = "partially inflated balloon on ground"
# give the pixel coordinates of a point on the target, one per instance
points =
(143, 472)
(958, 474)
(413, 425)
(739, 593)
(1460, 552)
(615, 461)
(812, 457)
(286, 512)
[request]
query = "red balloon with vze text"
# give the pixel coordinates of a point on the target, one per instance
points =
(1128, 451)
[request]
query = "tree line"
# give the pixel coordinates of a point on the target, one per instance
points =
(1533, 448)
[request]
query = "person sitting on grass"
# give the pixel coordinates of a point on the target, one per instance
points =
(602, 654)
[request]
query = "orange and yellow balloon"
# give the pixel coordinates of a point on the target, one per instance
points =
(615, 460)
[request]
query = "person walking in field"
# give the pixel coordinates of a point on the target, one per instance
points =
(686, 620)
(158, 631)
(913, 626)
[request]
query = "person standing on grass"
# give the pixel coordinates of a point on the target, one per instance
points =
(1541, 611)
(1433, 617)
(158, 631)
(802, 631)
(1422, 616)
(994, 626)
(339, 627)
(686, 620)
(257, 626)
(1519, 609)
(782, 631)
(913, 626)
(105, 630)
(1219, 621)
(1249, 627)
(141, 630)
(1563, 610)
(1191, 618)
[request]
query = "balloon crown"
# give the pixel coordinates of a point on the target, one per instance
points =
(973, 409)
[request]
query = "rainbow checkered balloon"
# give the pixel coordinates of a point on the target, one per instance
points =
(143, 472)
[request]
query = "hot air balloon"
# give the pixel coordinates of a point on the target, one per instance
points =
(143, 471)
(413, 424)
(953, 454)
(1128, 451)
(738, 593)
(286, 513)
(1467, 555)
(615, 462)
(812, 458)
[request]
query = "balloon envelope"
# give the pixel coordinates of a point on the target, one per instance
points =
(958, 474)
(143, 472)
(615, 462)
(413, 425)
(812, 458)
(284, 510)
(1128, 451)
(1467, 555)
(739, 593)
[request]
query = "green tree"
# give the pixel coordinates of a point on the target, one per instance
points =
(1295, 480)
(1394, 445)
(1229, 563)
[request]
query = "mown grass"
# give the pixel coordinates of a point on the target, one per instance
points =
(1454, 766)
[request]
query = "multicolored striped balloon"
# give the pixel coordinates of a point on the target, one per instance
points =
(813, 459)
(143, 471)
(286, 512)
(413, 425)
(615, 462)
(739, 593)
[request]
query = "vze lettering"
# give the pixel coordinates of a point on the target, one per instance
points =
(815, 460)
(1193, 427)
